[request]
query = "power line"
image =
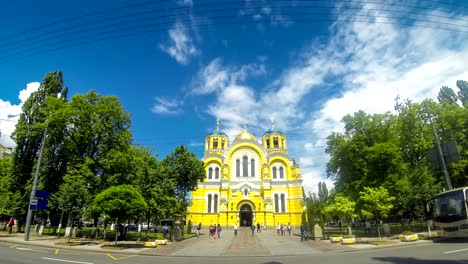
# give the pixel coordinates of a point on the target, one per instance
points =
(206, 11)
(223, 23)
(82, 16)
(190, 12)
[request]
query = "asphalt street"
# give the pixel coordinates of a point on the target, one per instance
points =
(454, 252)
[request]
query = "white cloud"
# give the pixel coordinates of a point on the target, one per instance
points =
(165, 106)
(10, 113)
(371, 63)
(181, 46)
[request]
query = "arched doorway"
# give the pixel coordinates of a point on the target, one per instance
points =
(245, 215)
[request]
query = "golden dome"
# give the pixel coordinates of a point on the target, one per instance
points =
(246, 135)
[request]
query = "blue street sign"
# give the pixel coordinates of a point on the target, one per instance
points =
(42, 204)
(42, 194)
(38, 205)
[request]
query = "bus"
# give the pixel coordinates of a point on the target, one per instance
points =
(450, 211)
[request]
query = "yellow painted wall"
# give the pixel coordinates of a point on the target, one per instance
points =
(261, 200)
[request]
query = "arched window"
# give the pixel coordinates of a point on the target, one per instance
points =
(237, 168)
(283, 204)
(215, 143)
(246, 192)
(209, 203)
(274, 172)
(275, 142)
(281, 172)
(276, 203)
(245, 166)
(268, 143)
(252, 167)
(215, 206)
(210, 173)
(217, 173)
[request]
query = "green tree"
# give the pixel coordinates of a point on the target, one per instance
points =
(343, 208)
(6, 167)
(73, 194)
(377, 202)
(185, 170)
(120, 203)
(28, 134)
(149, 179)
(447, 95)
(463, 93)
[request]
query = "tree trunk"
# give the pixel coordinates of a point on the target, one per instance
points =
(69, 225)
(117, 232)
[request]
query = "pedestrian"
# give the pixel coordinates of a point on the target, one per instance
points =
(307, 232)
(258, 228)
(218, 230)
(278, 229)
(212, 232)
(289, 229)
(11, 223)
(165, 231)
(235, 229)
(198, 230)
(253, 229)
(282, 229)
(302, 232)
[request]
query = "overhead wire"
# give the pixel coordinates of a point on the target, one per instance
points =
(215, 24)
(191, 12)
(230, 22)
(81, 16)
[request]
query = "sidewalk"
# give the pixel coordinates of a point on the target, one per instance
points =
(266, 243)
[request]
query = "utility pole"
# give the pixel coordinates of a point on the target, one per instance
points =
(439, 150)
(34, 187)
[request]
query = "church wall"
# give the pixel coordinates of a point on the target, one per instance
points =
(261, 189)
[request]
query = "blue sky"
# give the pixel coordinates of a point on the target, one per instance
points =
(304, 63)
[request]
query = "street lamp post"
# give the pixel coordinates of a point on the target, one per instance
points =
(34, 187)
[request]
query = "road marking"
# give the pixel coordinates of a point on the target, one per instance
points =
(114, 258)
(30, 249)
(70, 261)
(458, 250)
(14, 246)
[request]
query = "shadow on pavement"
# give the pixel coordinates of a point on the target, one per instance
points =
(452, 240)
(401, 260)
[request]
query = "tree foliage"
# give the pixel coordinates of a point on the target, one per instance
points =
(185, 170)
(376, 202)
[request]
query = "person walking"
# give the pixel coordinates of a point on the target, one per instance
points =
(253, 229)
(11, 223)
(165, 231)
(198, 230)
(302, 232)
(235, 229)
(218, 230)
(258, 228)
(289, 229)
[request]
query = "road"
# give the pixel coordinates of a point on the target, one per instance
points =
(454, 252)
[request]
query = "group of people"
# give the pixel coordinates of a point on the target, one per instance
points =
(305, 232)
(282, 229)
(215, 230)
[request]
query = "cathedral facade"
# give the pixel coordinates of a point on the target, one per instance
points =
(248, 182)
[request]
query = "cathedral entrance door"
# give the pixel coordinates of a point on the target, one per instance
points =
(245, 215)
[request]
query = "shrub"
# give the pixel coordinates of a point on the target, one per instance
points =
(189, 227)
(407, 233)
(348, 236)
(335, 235)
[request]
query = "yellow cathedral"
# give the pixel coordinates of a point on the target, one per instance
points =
(247, 181)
